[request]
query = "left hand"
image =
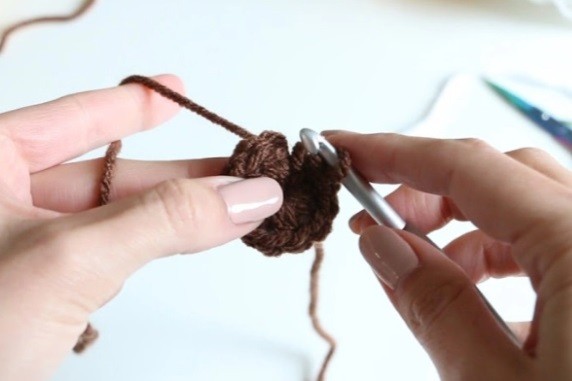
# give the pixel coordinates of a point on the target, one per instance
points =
(60, 258)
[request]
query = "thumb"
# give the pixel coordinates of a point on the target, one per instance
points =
(59, 270)
(98, 249)
(441, 306)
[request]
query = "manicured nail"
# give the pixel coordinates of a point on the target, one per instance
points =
(251, 200)
(334, 132)
(390, 257)
(354, 223)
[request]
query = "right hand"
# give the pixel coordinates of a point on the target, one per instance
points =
(521, 203)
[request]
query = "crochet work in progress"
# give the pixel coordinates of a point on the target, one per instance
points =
(309, 184)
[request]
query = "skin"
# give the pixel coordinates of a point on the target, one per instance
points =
(521, 203)
(57, 263)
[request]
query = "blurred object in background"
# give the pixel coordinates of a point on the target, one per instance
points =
(37, 12)
(539, 70)
(564, 6)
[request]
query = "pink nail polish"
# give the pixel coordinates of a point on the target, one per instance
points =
(251, 200)
(355, 226)
(388, 254)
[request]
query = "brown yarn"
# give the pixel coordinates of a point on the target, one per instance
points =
(313, 307)
(310, 188)
(90, 334)
(44, 19)
(87, 338)
(188, 104)
(108, 172)
(309, 184)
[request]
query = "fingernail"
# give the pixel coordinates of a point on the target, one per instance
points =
(334, 132)
(391, 258)
(251, 200)
(354, 223)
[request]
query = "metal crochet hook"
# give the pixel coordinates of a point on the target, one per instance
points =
(374, 203)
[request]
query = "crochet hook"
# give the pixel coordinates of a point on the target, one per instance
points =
(372, 201)
(375, 204)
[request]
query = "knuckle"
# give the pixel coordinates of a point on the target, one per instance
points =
(429, 304)
(454, 153)
(474, 144)
(530, 155)
(75, 104)
(180, 205)
(528, 151)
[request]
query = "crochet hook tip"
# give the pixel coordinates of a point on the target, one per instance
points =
(316, 144)
(372, 201)
(310, 139)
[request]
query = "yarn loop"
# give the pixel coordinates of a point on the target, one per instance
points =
(310, 187)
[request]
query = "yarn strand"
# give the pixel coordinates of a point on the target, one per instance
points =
(90, 334)
(87, 4)
(88, 337)
(108, 172)
(310, 204)
(313, 307)
(188, 104)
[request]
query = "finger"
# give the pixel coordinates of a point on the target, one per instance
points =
(520, 329)
(440, 305)
(53, 132)
(430, 212)
(544, 335)
(482, 257)
(479, 255)
(498, 194)
(14, 182)
(93, 252)
(468, 171)
(74, 187)
(544, 163)
(427, 212)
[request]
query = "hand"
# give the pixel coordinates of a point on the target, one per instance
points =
(521, 203)
(61, 258)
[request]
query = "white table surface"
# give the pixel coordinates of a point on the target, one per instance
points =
(365, 65)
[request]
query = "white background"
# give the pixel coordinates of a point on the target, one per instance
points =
(364, 65)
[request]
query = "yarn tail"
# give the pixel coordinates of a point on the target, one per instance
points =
(312, 310)
(43, 19)
(90, 334)
(87, 338)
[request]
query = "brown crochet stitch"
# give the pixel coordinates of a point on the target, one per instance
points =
(309, 185)
(44, 19)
